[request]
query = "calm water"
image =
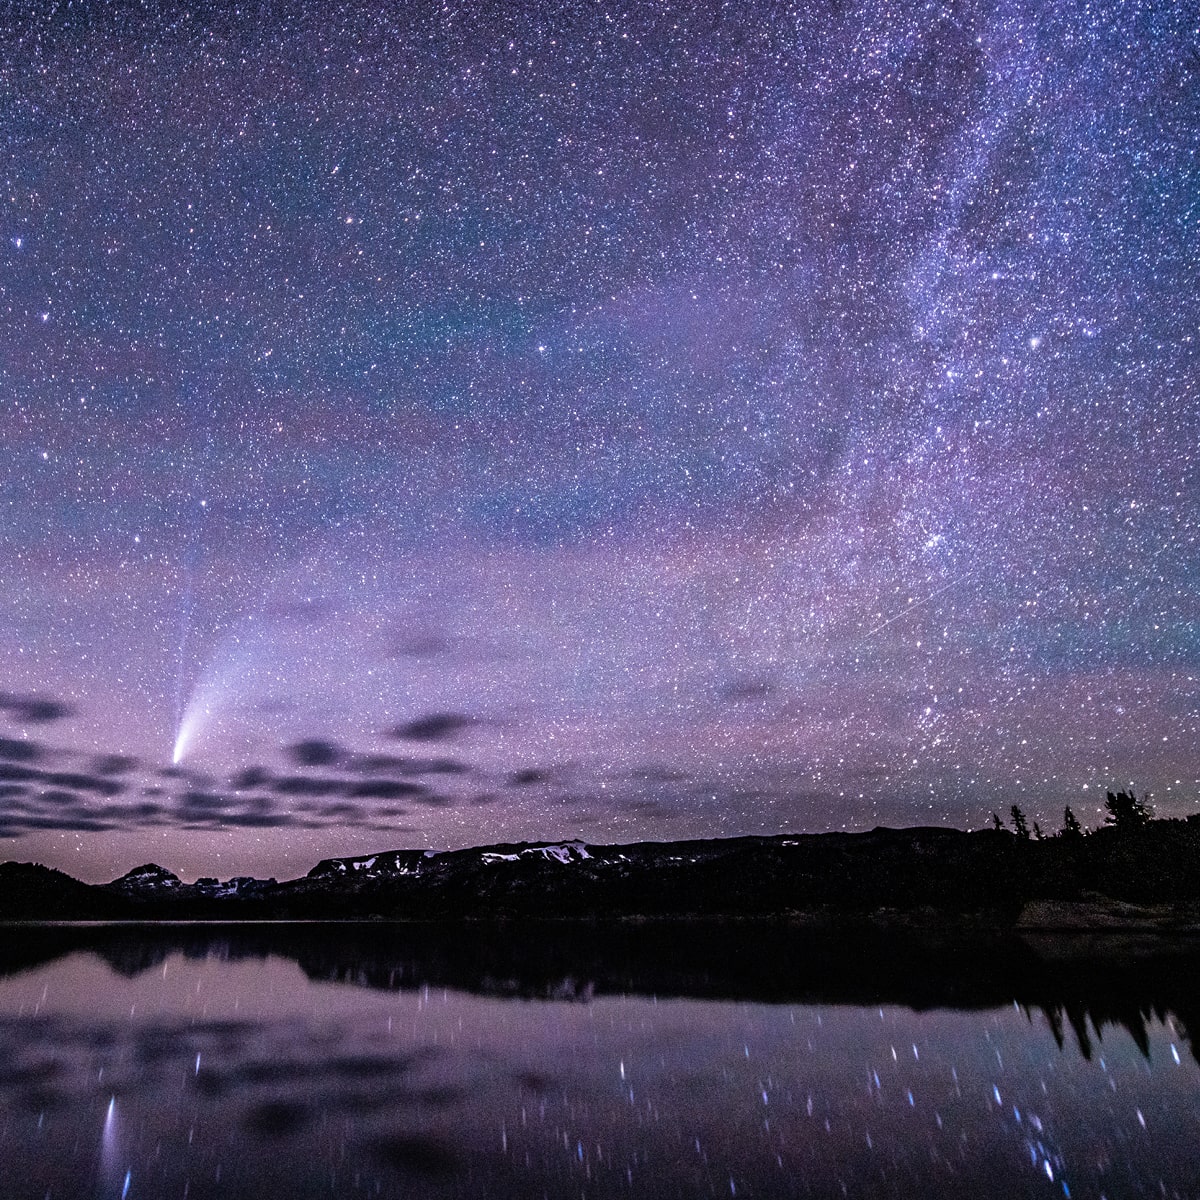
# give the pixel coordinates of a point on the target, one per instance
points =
(205, 1064)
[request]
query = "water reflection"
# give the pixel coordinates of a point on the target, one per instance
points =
(384, 1061)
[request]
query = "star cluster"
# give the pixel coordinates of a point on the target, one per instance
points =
(686, 420)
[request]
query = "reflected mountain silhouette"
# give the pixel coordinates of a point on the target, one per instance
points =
(1082, 983)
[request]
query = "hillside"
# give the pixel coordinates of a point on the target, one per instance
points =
(1147, 877)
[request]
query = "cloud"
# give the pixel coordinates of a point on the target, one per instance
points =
(113, 764)
(656, 773)
(747, 689)
(63, 779)
(649, 810)
(58, 808)
(263, 820)
(410, 766)
(102, 784)
(435, 800)
(212, 810)
(434, 727)
(74, 821)
(416, 644)
(141, 812)
(384, 789)
(61, 797)
(35, 710)
(19, 751)
(304, 785)
(43, 788)
(341, 812)
(316, 752)
(528, 777)
(206, 801)
(250, 777)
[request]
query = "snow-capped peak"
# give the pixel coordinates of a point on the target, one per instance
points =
(563, 852)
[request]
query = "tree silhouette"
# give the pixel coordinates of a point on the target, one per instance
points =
(1071, 827)
(1019, 823)
(999, 824)
(1125, 811)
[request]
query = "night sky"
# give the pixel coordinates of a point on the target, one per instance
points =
(425, 426)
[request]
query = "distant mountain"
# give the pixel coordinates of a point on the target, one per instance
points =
(147, 880)
(1147, 877)
(29, 891)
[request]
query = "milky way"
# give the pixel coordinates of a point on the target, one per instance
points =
(432, 425)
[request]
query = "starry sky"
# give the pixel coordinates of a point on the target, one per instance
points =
(429, 424)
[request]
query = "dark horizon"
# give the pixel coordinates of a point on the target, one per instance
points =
(1033, 830)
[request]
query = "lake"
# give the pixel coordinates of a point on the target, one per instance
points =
(358, 1061)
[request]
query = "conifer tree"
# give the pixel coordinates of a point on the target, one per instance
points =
(1019, 823)
(1125, 811)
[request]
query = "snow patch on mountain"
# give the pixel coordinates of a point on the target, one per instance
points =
(565, 852)
(147, 877)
